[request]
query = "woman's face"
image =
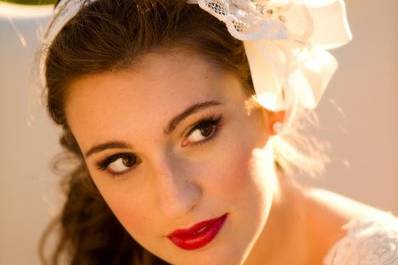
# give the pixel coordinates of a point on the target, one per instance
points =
(171, 143)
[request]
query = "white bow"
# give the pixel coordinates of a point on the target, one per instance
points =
(285, 43)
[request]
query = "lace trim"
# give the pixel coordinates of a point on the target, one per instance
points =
(373, 241)
(259, 19)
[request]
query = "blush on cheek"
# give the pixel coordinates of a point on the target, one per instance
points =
(132, 215)
(232, 170)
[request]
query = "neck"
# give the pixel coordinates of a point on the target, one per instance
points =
(284, 239)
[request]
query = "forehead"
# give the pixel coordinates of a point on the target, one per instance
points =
(159, 87)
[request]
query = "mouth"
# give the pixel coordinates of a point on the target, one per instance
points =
(199, 234)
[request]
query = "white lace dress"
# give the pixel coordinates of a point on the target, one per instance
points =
(373, 241)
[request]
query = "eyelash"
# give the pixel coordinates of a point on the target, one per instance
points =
(103, 165)
(207, 121)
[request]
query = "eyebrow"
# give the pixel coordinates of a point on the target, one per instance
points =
(173, 123)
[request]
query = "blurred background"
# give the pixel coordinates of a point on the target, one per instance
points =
(358, 117)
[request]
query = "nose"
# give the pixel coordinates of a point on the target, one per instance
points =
(177, 193)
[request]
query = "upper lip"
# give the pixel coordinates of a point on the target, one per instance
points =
(194, 228)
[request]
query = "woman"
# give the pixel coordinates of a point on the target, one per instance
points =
(182, 117)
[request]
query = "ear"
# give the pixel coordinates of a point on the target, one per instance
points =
(271, 118)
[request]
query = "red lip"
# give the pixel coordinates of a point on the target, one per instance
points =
(199, 234)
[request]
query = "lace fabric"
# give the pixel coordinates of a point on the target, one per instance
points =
(373, 241)
(254, 20)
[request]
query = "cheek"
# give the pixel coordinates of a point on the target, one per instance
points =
(231, 169)
(128, 212)
(132, 210)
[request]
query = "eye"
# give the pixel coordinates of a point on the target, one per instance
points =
(119, 163)
(203, 131)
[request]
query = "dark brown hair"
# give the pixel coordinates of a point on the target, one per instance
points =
(111, 35)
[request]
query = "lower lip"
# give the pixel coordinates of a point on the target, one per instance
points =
(202, 239)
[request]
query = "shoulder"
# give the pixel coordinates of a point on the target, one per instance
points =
(358, 233)
(371, 241)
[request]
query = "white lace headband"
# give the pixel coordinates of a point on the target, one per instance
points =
(285, 43)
